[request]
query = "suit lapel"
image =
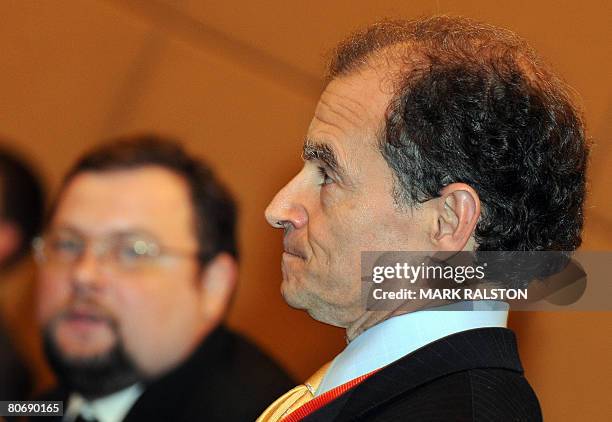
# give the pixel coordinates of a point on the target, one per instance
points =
(472, 349)
(57, 394)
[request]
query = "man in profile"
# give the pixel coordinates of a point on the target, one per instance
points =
(439, 134)
(138, 266)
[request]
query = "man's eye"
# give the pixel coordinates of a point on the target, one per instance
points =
(129, 256)
(134, 250)
(326, 179)
(67, 245)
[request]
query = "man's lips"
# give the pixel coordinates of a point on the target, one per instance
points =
(84, 320)
(288, 249)
(289, 255)
(84, 316)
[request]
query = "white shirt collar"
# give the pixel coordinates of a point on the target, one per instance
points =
(111, 408)
(396, 337)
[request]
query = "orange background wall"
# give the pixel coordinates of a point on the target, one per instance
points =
(238, 81)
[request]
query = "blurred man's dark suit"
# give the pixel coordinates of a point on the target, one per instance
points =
(15, 381)
(226, 379)
(474, 375)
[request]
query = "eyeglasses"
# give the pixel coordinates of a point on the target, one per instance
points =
(120, 253)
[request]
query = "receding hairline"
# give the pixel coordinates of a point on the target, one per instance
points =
(404, 43)
(397, 48)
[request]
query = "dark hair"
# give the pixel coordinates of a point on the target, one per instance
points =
(213, 207)
(23, 200)
(474, 104)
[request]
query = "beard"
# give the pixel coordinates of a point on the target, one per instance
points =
(92, 376)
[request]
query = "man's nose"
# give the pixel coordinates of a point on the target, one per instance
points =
(86, 271)
(287, 207)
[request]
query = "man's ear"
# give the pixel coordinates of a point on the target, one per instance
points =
(218, 282)
(457, 211)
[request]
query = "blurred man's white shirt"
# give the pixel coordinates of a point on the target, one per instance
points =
(111, 408)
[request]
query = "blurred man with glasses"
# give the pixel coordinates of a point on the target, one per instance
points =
(138, 266)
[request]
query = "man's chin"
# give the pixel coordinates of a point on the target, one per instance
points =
(291, 298)
(92, 372)
(75, 349)
(296, 297)
(318, 310)
(83, 356)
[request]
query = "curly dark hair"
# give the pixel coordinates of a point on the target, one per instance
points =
(473, 104)
(214, 208)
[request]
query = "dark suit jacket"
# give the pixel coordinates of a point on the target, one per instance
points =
(474, 375)
(15, 381)
(226, 379)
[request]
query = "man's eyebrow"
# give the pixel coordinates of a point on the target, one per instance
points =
(136, 231)
(322, 152)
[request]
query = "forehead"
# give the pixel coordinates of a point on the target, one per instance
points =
(355, 101)
(148, 198)
(351, 112)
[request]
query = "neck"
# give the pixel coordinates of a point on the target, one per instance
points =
(482, 315)
(369, 319)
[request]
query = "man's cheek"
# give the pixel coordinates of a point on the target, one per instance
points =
(135, 313)
(52, 296)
